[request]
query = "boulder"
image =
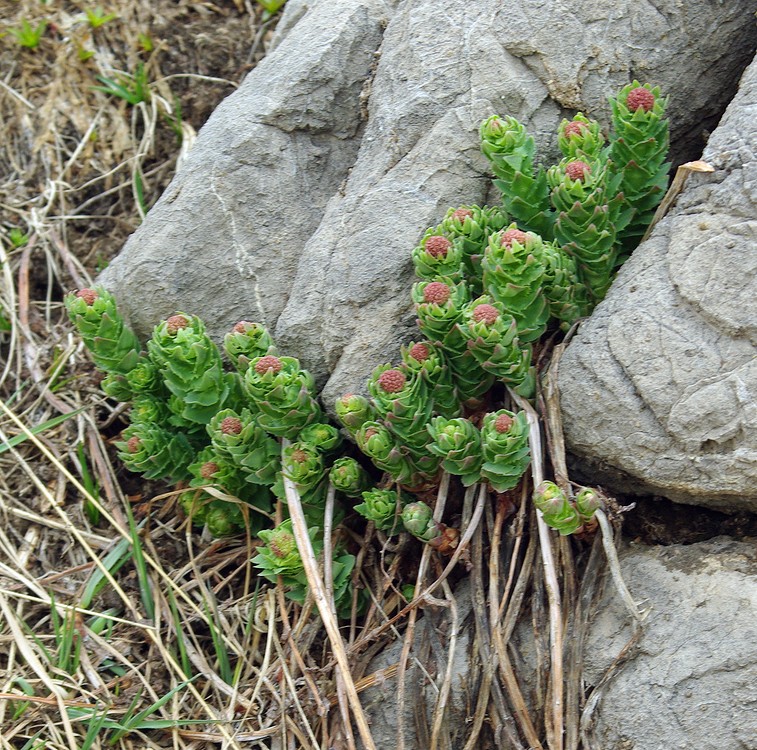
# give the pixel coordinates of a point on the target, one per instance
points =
(691, 683)
(659, 387)
(308, 188)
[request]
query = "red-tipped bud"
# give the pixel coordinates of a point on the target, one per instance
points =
(392, 381)
(577, 170)
(438, 246)
(88, 295)
(231, 425)
(419, 352)
(299, 456)
(175, 322)
(269, 362)
(574, 127)
(208, 469)
(370, 432)
(133, 444)
(485, 314)
(282, 544)
(640, 98)
(436, 291)
(503, 423)
(461, 214)
(513, 235)
(242, 327)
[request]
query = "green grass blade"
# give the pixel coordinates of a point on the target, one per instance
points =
(18, 439)
(145, 590)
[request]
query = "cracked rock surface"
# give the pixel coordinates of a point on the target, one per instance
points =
(659, 387)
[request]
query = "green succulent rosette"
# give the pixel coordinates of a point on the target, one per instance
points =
(113, 345)
(353, 411)
(585, 196)
(437, 255)
(587, 503)
(418, 520)
(458, 443)
(249, 447)
(581, 138)
(211, 467)
(247, 341)
(525, 195)
(639, 144)
(325, 438)
(387, 453)
(282, 393)
(439, 304)
(155, 452)
(349, 477)
(279, 556)
(303, 464)
(146, 409)
(145, 379)
(567, 296)
(492, 340)
(556, 509)
(472, 225)
(224, 518)
(380, 506)
(513, 268)
(428, 361)
(190, 367)
(506, 453)
(116, 386)
(194, 503)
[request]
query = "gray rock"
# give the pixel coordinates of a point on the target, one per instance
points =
(261, 223)
(692, 684)
(659, 387)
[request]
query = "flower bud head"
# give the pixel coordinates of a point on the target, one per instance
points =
(640, 98)
(231, 426)
(437, 292)
(577, 170)
(299, 456)
(88, 295)
(420, 352)
(282, 544)
(513, 235)
(208, 469)
(438, 246)
(461, 214)
(392, 381)
(242, 326)
(133, 444)
(175, 322)
(503, 423)
(485, 314)
(269, 362)
(574, 128)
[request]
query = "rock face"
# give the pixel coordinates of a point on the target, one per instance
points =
(308, 188)
(659, 387)
(692, 683)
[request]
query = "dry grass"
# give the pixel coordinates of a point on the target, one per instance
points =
(121, 626)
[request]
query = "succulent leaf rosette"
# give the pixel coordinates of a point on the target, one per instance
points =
(581, 138)
(353, 411)
(567, 296)
(247, 341)
(587, 502)
(513, 268)
(349, 477)
(303, 464)
(380, 506)
(190, 366)
(556, 509)
(325, 438)
(525, 195)
(113, 345)
(155, 452)
(439, 304)
(506, 453)
(458, 443)
(116, 386)
(418, 520)
(382, 447)
(211, 467)
(429, 362)
(282, 393)
(437, 255)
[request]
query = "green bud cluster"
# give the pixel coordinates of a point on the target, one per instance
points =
(380, 506)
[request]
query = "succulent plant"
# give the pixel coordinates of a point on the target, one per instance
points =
(638, 148)
(155, 452)
(247, 341)
(325, 438)
(511, 152)
(303, 464)
(430, 363)
(506, 453)
(116, 386)
(349, 477)
(458, 443)
(113, 345)
(587, 502)
(283, 395)
(580, 138)
(190, 367)
(567, 295)
(145, 379)
(382, 447)
(418, 520)
(437, 255)
(556, 508)
(354, 411)
(380, 506)
(439, 304)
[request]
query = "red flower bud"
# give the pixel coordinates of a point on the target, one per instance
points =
(437, 246)
(461, 214)
(420, 352)
(208, 469)
(133, 444)
(231, 425)
(640, 98)
(485, 314)
(299, 456)
(513, 235)
(243, 326)
(369, 433)
(269, 362)
(436, 291)
(88, 295)
(503, 423)
(392, 381)
(175, 322)
(574, 127)
(577, 170)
